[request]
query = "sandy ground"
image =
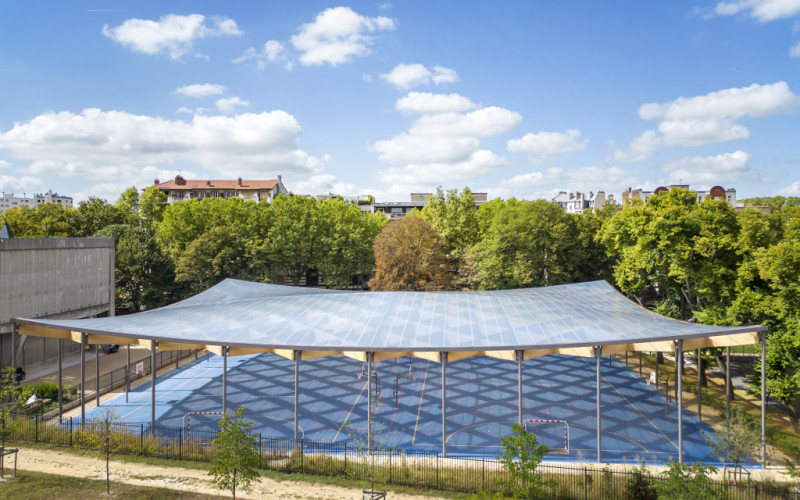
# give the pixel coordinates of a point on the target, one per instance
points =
(194, 480)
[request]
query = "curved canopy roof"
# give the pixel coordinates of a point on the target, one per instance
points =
(257, 317)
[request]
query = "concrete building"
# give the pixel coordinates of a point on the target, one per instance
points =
(9, 201)
(397, 209)
(715, 193)
(180, 189)
(577, 202)
(52, 278)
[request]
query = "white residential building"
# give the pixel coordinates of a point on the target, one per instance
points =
(180, 189)
(9, 201)
(715, 193)
(577, 202)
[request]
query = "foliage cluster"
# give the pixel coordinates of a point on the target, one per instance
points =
(236, 461)
(521, 456)
(701, 262)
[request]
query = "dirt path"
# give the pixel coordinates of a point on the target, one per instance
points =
(194, 480)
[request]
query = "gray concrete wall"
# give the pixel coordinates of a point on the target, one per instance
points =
(52, 278)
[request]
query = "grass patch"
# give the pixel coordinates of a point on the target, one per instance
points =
(39, 486)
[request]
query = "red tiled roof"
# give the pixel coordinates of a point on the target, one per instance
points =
(224, 184)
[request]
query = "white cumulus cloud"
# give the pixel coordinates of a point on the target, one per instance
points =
(792, 189)
(252, 143)
(272, 52)
(407, 76)
(711, 118)
(710, 170)
(547, 183)
(228, 105)
(200, 90)
(173, 35)
(640, 149)
(337, 35)
(425, 102)
(548, 144)
(27, 184)
(762, 10)
(442, 144)
(323, 184)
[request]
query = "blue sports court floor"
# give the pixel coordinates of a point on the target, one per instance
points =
(481, 404)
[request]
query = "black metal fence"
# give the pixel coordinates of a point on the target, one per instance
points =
(418, 469)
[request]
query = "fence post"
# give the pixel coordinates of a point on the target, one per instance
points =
(345, 458)
(180, 443)
(141, 438)
(260, 444)
(302, 456)
(36, 429)
(437, 471)
(483, 473)
(70, 432)
(756, 497)
(111, 385)
(390, 467)
(585, 484)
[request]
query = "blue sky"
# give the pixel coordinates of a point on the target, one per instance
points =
(385, 98)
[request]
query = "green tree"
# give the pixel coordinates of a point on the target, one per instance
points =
(456, 217)
(152, 204)
(235, 463)
(103, 436)
(349, 238)
(296, 240)
(143, 272)
(48, 220)
(410, 255)
(128, 205)
(12, 397)
(742, 443)
(688, 481)
(526, 244)
(640, 485)
(217, 254)
(521, 456)
(94, 214)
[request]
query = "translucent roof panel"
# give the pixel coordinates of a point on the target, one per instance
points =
(245, 314)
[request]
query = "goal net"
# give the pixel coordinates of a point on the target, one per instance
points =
(553, 433)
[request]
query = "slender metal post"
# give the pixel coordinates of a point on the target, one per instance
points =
(444, 404)
(679, 366)
(152, 387)
(699, 355)
(520, 354)
(598, 352)
(83, 378)
(14, 332)
(60, 383)
(177, 358)
(369, 403)
(224, 380)
(97, 375)
(728, 390)
(128, 372)
(666, 391)
(764, 399)
(297, 355)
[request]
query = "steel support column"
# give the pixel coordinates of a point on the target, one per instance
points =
(152, 387)
(97, 375)
(127, 372)
(60, 378)
(679, 369)
(369, 402)
(224, 380)
(83, 378)
(297, 355)
(14, 333)
(699, 385)
(519, 386)
(764, 399)
(728, 390)
(444, 403)
(598, 353)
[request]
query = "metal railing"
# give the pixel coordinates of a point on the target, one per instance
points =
(410, 468)
(117, 378)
